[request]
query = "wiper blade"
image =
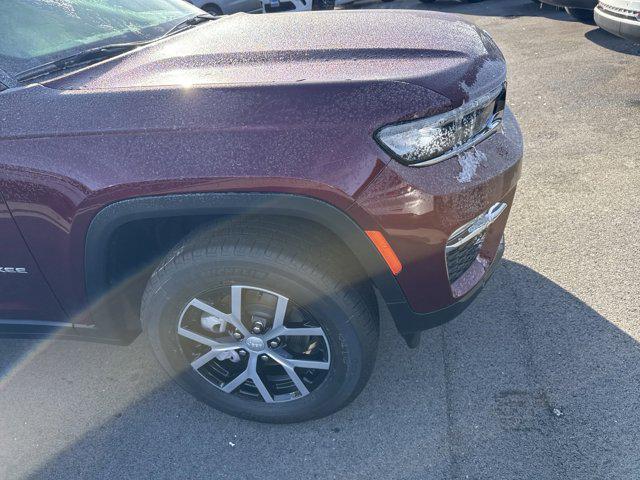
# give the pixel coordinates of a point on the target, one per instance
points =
(189, 22)
(83, 58)
(96, 54)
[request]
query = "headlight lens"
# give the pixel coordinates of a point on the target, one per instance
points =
(430, 140)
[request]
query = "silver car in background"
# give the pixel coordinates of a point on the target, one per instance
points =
(225, 7)
(620, 17)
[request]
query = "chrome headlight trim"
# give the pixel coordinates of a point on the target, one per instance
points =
(492, 125)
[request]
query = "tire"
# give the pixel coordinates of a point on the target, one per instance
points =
(474, 1)
(387, 1)
(582, 14)
(323, 4)
(254, 258)
(212, 9)
(427, 1)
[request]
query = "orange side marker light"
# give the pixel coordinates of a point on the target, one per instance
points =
(385, 250)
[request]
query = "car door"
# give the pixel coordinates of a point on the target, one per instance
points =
(25, 296)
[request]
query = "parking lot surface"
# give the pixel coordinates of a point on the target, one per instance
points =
(539, 379)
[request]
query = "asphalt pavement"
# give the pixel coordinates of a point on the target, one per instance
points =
(539, 379)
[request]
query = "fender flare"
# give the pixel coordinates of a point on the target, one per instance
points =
(114, 215)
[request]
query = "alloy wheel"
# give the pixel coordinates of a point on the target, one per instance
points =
(267, 348)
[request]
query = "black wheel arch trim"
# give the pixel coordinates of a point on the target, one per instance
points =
(119, 213)
(122, 212)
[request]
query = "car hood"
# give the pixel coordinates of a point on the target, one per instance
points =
(437, 51)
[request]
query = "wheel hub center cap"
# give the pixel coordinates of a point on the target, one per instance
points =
(255, 344)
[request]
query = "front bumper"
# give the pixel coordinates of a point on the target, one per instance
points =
(418, 209)
(409, 321)
(619, 22)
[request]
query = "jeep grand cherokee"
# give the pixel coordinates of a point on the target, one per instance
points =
(249, 194)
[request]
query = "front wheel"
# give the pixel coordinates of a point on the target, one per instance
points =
(582, 14)
(251, 323)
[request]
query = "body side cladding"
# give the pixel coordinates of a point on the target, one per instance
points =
(46, 329)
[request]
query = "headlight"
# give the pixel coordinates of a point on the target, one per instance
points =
(434, 139)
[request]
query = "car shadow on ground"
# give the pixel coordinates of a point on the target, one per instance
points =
(529, 383)
(611, 42)
(486, 8)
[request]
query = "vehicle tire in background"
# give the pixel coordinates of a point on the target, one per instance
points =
(255, 270)
(213, 9)
(323, 4)
(582, 14)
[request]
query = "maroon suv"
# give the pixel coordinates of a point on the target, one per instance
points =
(251, 191)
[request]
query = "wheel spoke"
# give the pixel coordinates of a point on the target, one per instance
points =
(302, 388)
(236, 301)
(295, 363)
(294, 332)
(216, 347)
(303, 332)
(297, 381)
(196, 337)
(262, 389)
(253, 374)
(312, 364)
(210, 309)
(281, 310)
(236, 310)
(236, 382)
(234, 319)
(204, 359)
(210, 342)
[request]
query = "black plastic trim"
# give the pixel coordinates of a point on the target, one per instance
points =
(30, 329)
(120, 213)
(117, 214)
(409, 322)
(40, 329)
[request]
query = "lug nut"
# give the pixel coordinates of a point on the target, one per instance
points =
(275, 343)
(257, 327)
(264, 358)
(237, 335)
(242, 353)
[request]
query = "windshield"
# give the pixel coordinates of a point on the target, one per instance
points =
(35, 32)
